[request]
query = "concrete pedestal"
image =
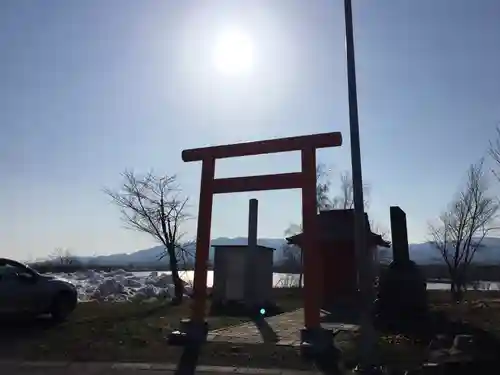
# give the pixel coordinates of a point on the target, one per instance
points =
(318, 342)
(401, 303)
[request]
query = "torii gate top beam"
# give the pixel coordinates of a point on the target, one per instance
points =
(270, 146)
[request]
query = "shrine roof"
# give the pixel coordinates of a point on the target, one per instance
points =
(338, 225)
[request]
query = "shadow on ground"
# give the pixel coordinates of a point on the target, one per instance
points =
(266, 331)
(189, 360)
(240, 309)
(15, 332)
(24, 327)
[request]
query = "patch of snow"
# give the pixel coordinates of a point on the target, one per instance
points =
(121, 286)
(109, 287)
(163, 281)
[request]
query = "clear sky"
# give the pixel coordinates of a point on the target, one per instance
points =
(89, 88)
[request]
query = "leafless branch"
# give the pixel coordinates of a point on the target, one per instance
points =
(62, 256)
(323, 185)
(494, 152)
(345, 199)
(154, 205)
(463, 226)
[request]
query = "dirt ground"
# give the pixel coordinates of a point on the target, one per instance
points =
(128, 332)
(136, 333)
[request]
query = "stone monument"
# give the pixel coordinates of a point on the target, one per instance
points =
(402, 290)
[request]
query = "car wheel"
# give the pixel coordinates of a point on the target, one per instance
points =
(62, 305)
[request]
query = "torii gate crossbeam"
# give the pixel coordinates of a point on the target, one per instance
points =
(305, 180)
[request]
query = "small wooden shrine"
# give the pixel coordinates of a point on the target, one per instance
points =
(336, 245)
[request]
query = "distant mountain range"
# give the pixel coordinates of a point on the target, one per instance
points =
(422, 253)
(152, 255)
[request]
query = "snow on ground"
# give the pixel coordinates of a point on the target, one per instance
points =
(121, 286)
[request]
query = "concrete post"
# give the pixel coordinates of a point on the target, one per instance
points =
(253, 208)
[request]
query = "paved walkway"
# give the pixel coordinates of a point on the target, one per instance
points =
(283, 329)
(89, 368)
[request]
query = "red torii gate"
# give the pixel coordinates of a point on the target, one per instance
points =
(305, 180)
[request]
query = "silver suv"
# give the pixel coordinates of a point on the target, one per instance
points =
(25, 291)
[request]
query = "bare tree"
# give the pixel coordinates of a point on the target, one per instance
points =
(494, 151)
(323, 185)
(154, 205)
(62, 256)
(463, 226)
(345, 199)
(293, 254)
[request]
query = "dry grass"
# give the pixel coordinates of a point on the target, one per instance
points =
(136, 332)
(116, 332)
(480, 310)
(478, 314)
(100, 331)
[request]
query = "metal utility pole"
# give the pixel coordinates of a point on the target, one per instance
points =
(363, 257)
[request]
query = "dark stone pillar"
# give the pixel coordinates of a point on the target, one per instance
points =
(400, 248)
(402, 296)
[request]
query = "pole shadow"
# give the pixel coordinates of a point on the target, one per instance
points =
(266, 331)
(189, 360)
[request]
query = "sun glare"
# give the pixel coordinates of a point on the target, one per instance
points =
(233, 53)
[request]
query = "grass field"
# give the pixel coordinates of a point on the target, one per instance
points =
(136, 332)
(117, 332)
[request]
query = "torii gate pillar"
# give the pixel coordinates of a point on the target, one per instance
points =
(304, 180)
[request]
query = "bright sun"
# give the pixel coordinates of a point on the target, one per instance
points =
(233, 53)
